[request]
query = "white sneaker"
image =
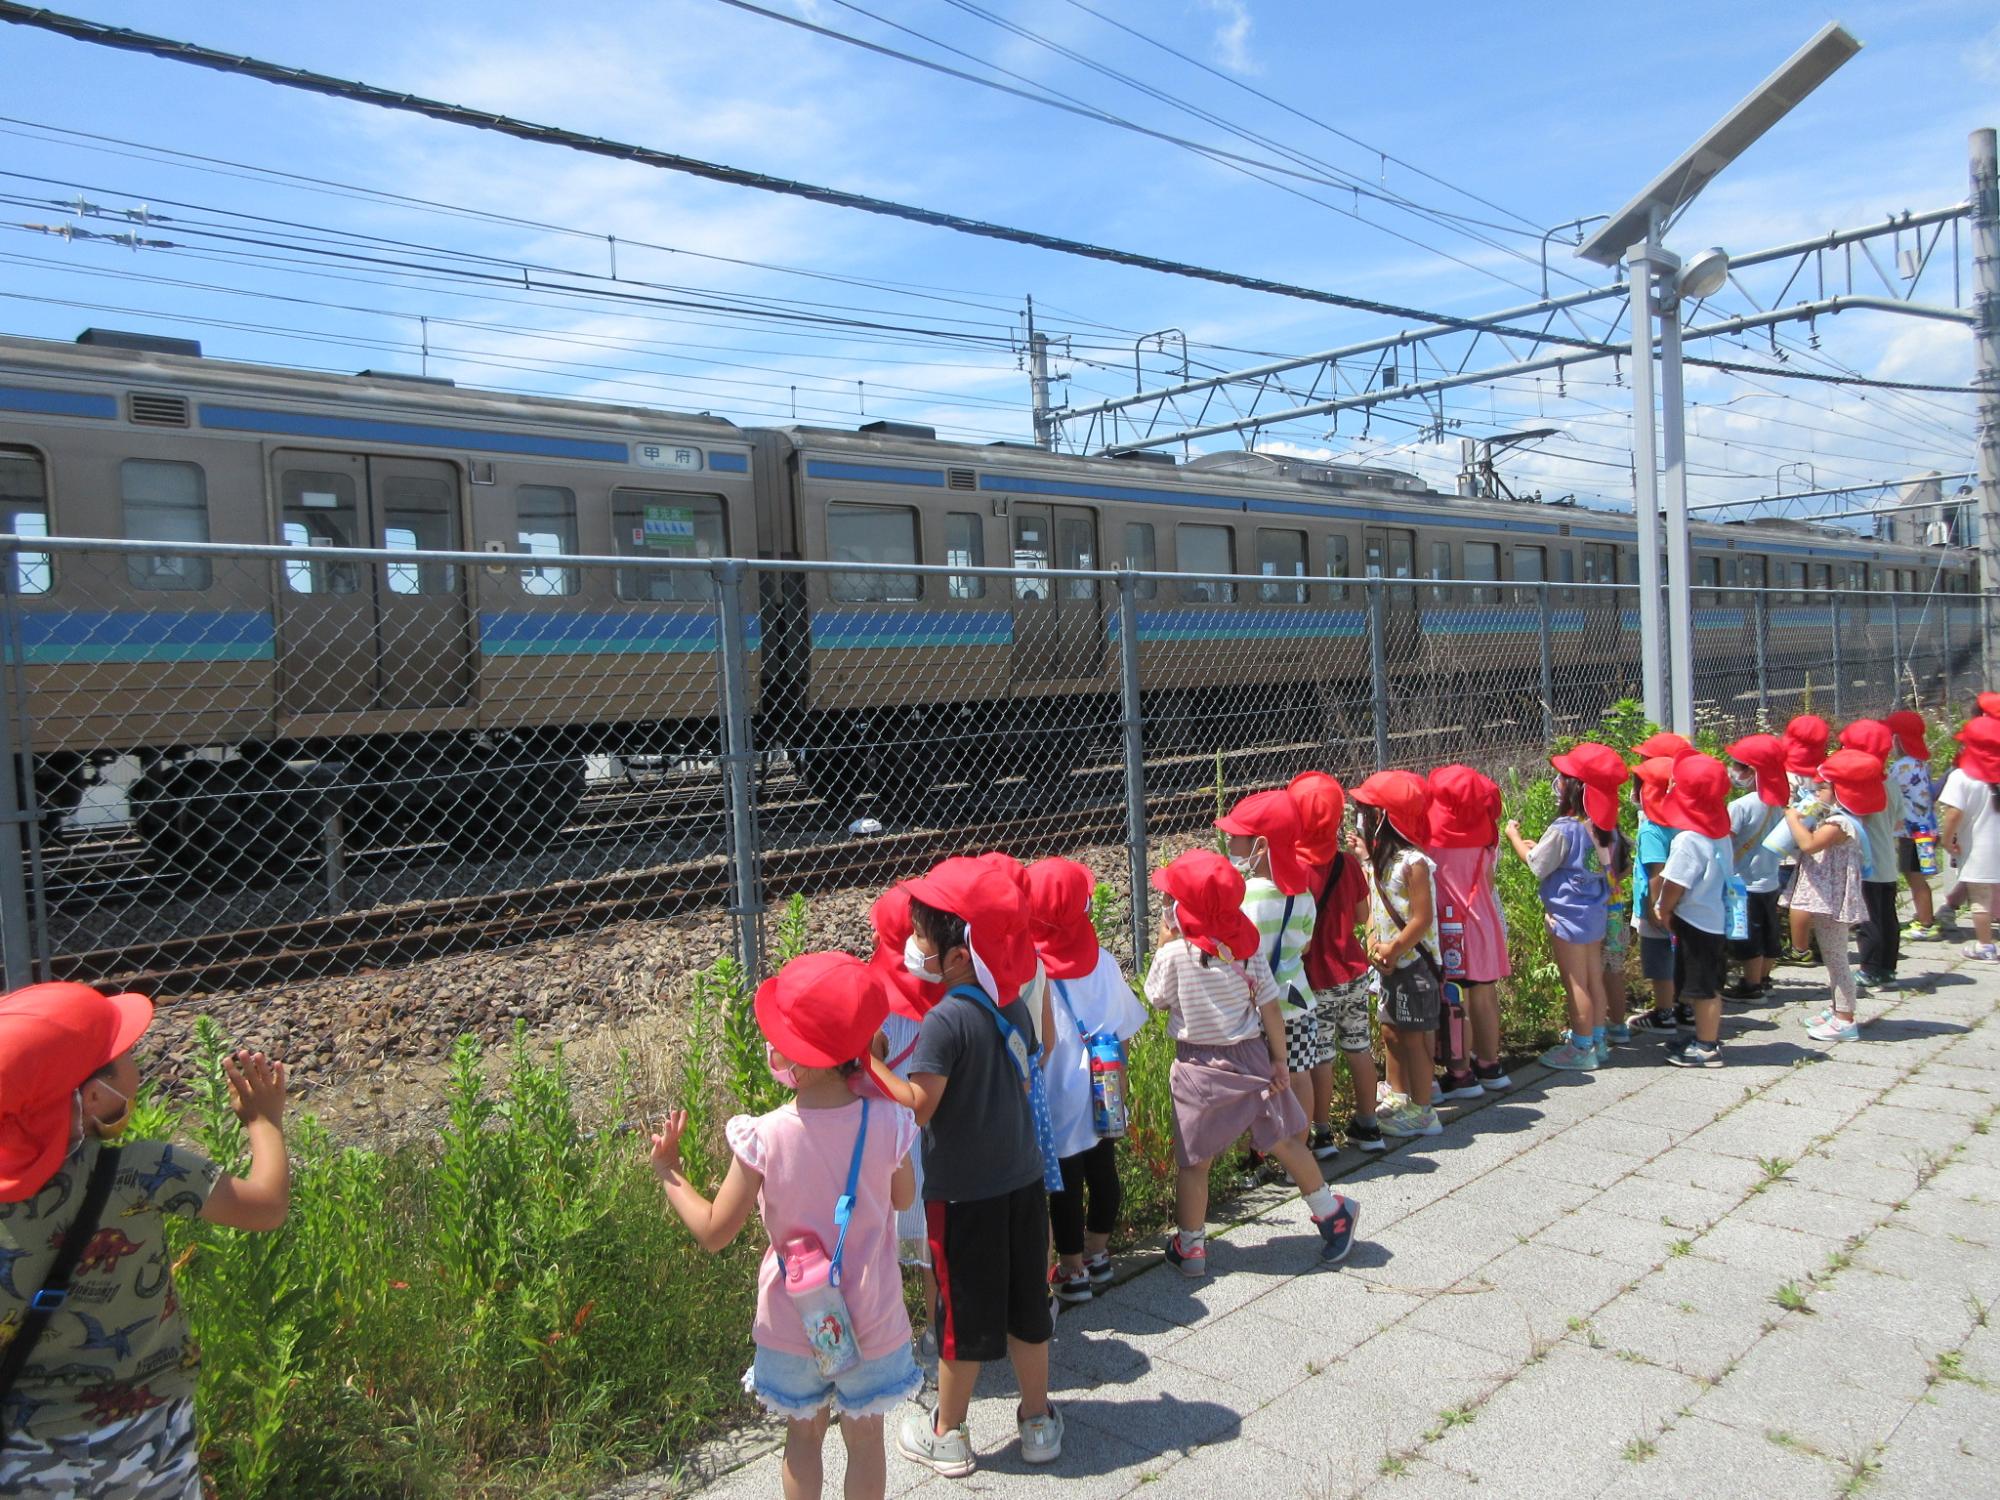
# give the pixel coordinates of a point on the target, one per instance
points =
(1041, 1437)
(950, 1453)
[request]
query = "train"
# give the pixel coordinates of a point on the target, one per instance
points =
(462, 702)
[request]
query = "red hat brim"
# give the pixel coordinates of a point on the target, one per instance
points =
(844, 999)
(1210, 931)
(1911, 733)
(49, 1024)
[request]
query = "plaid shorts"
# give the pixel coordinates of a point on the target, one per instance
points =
(151, 1456)
(1302, 1041)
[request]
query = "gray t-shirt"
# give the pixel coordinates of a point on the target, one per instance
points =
(981, 1141)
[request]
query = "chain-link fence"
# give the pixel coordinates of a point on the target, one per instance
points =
(245, 763)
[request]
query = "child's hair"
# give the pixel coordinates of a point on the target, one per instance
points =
(1569, 796)
(943, 928)
(1385, 842)
(1614, 849)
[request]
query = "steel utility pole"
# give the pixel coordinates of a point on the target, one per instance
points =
(1986, 379)
(1646, 473)
(1038, 383)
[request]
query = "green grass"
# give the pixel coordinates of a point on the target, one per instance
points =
(1681, 1247)
(1639, 1450)
(1791, 1298)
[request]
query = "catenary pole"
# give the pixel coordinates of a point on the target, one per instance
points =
(1986, 379)
(1645, 479)
(1680, 555)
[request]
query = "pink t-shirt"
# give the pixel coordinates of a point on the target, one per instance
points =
(803, 1156)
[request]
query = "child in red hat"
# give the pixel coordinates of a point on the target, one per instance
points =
(1688, 899)
(1805, 739)
(1403, 939)
(1336, 965)
(1910, 774)
(1969, 826)
(1229, 1073)
(1880, 937)
(1464, 846)
(977, 1089)
(793, 1165)
(1832, 870)
(1262, 830)
(1571, 860)
(1757, 772)
(910, 1000)
(118, 1340)
(1088, 997)
(1651, 780)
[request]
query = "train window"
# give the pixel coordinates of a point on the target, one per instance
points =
(1708, 576)
(545, 526)
(1281, 554)
(318, 509)
(1530, 565)
(1753, 572)
(1729, 573)
(24, 511)
(420, 514)
(1566, 574)
(1600, 563)
(1142, 556)
(1339, 564)
(965, 547)
(1482, 565)
(1076, 547)
(1822, 575)
(164, 502)
(670, 524)
(1438, 570)
(872, 534)
(1206, 549)
(1628, 565)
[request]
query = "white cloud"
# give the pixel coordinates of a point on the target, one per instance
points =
(1982, 58)
(1232, 35)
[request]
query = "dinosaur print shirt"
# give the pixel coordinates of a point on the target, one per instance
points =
(120, 1346)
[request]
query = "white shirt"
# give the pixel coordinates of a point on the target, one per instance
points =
(1099, 1001)
(1700, 866)
(1978, 828)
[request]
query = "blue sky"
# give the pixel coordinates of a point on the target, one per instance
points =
(1545, 111)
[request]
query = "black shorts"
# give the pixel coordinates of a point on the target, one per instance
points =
(1906, 859)
(1410, 998)
(991, 1256)
(1656, 957)
(1767, 928)
(1698, 962)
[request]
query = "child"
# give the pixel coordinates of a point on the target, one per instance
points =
(1087, 996)
(104, 1401)
(1805, 748)
(1336, 966)
(1664, 745)
(1970, 830)
(818, 1015)
(1881, 936)
(1569, 862)
(1757, 770)
(1651, 780)
(1829, 888)
(1263, 834)
(1403, 942)
(1463, 841)
(1910, 773)
(976, 1090)
(910, 1000)
(1688, 897)
(1229, 1073)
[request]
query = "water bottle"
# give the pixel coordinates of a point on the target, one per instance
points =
(1451, 958)
(1110, 1105)
(821, 1308)
(1735, 909)
(1780, 841)
(1927, 855)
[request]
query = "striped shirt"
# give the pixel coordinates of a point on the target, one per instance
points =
(1283, 938)
(1209, 1002)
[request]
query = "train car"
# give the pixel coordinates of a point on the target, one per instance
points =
(422, 697)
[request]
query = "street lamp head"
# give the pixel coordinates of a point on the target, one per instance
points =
(1702, 275)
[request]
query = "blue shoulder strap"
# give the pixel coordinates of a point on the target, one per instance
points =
(843, 1207)
(1029, 1067)
(1063, 991)
(1278, 942)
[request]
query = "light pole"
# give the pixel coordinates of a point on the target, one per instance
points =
(1659, 281)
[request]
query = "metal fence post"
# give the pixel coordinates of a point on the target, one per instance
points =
(1761, 628)
(1895, 647)
(1548, 669)
(1133, 722)
(1378, 669)
(17, 782)
(1839, 665)
(738, 753)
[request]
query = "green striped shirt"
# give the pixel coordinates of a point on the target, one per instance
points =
(1264, 905)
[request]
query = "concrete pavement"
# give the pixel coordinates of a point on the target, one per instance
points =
(1780, 1278)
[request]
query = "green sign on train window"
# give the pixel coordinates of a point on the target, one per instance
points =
(668, 528)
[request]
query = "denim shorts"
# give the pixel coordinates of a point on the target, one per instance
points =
(791, 1386)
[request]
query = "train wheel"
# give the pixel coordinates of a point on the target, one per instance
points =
(227, 819)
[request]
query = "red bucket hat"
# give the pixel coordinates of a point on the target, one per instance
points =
(1699, 798)
(1321, 803)
(983, 895)
(1207, 892)
(1765, 754)
(1805, 744)
(1980, 756)
(1857, 781)
(1663, 746)
(1655, 778)
(822, 1009)
(1910, 730)
(1059, 892)
(1989, 704)
(1465, 809)
(908, 995)
(1869, 736)
(1273, 817)
(1602, 771)
(52, 1038)
(1403, 798)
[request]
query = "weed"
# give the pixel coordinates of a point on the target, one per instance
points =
(1861, 1471)
(1983, 1124)
(1639, 1450)
(1681, 1247)
(1978, 1309)
(1686, 1307)
(1393, 1466)
(1950, 1365)
(1314, 1367)
(1577, 1325)
(1449, 1418)
(1791, 1299)
(1630, 1356)
(793, 933)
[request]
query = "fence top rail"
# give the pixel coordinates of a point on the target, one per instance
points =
(11, 543)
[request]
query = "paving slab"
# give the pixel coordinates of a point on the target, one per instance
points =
(1703, 1458)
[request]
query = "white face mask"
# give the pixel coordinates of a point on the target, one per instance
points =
(1246, 864)
(1742, 780)
(919, 962)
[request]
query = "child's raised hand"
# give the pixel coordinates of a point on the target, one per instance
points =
(666, 1154)
(1513, 827)
(256, 1087)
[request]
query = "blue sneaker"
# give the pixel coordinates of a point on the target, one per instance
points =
(1569, 1057)
(1337, 1229)
(1618, 1034)
(1835, 1029)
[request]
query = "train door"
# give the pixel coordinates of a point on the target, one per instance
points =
(1392, 554)
(1058, 622)
(355, 636)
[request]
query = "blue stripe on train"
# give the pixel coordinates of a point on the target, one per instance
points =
(855, 629)
(1245, 624)
(134, 635)
(579, 632)
(45, 403)
(369, 430)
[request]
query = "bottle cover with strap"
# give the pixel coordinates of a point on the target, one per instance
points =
(1028, 1068)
